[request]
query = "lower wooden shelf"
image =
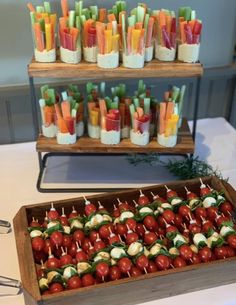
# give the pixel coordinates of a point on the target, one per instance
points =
(87, 145)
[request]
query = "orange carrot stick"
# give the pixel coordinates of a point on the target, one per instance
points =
(31, 7)
(182, 32)
(62, 125)
(109, 26)
(162, 19)
(64, 8)
(58, 110)
(111, 17)
(138, 25)
(100, 27)
(102, 15)
(49, 114)
(87, 25)
(192, 23)
(129, 38)
(168, 23)
(39, 37)
(141, 43)
(63, 22)
(65, 107)
(149, 31)
(75, 34)
(169, 110)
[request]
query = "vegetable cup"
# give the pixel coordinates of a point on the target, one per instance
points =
(43, 29)
(165, 46)
(190, 33)
(94, 130)
(108, 45)
(110, 127)
(47, 109)
(168, 125)
(140, 134)
(90, 49)
(66, 131)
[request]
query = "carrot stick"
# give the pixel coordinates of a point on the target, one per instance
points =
(65, 107)
(109, 26)
(31, 7)
(58, 111)
(64, 7)
(135, 40)
(150, 32)
(108, 41)
(39, 37)
(48, 32)
(169, 110)
(162, 19)
(103, 110)
(192, 23)
(100, 27)
(62, 125)
(91, 105)
(141, 43)
(48, 114)
(129, 37)
(138, 25)
(182, 32)
(87, 25)
(140, 112)
(53, 20)
(168, 23)
(75, 34)
(115, 42)
(102, 15)
(63, 22)
(111, 17)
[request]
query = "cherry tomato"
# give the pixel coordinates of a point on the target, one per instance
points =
(113, 239)
(121, 229)
(93, 236)
(99, 245)
(179, 262)
(226, 208)
(85, 244)
(41, 273)
(88, 280)
(79, 236)
(178, 220)
(195, 259)
(161, 231)
(220, 252)
(65, 259)
(171, 229)
(53, 263)
(55, 288)
(114, 273)
(184, 211)
(231, 240)
(142, 262)
(220, 219)
(102, 269)
(64, 220)
(204, 190)
(161, 222)
(143, 200)
(162, 262)
(53, 214)
(170, 194)
(72, 249)
(116, 212)
(186, 252)
(48, 244)
(131, 223)
(74, 282)
(56, 238)
(81, 256)
(169, 216)
(38, 244)
(131, 237)
(212, 213)
(67, 241)
(39, 256)
(135, 271)
(230, 251)
(150, 237)
(207, 225)
(140, 229)
(104, 230)
(205, 254)
(125, 265)
(90, 209)
(34, 223)
(151, 267)
(73, 214)
(123, 206)
(150, 223)
(191, 196)
(194, 228)
(200, 212)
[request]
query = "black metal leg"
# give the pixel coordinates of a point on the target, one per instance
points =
(34, 107)
(196, 104)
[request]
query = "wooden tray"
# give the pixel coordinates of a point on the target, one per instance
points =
(85, 144)
(147, 287)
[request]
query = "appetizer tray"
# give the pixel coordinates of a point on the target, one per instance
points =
(147, 287)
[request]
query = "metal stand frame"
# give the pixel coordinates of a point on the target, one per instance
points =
(43, 160)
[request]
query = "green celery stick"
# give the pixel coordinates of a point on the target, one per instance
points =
(181, 11)
(32, 18)
(143, 95)
(115, 103)
(94, 10)
(132, 20)
(86, 13)
(175, 93)
(103, 88)
(64, 95)
(113, 91)
(140, 86)
(124, 34)
(89, 87)
(149, 11)
(78, 8)
(187, 15)
(146, 20)
(47, 7)
(71, 19)
(122, 90)
(181, 99)
(172, 13)
(115, 12)
(89, 97)
(94, 17)
(39, 9)
(176, 109)
(140, 13)
(108, 102)
(136, 103)
(42, 24)
(147, 103)
(82, 19)
(52, 96)
(134, 12)
(73, 113)
(78, 23)
(43, 90)
(193, 15)
(132, 111)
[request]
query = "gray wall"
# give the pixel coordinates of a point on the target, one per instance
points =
(218, 39)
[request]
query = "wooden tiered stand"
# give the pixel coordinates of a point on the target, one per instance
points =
(85, 145)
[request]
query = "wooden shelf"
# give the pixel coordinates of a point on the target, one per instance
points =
(86, 70)
(87, 145)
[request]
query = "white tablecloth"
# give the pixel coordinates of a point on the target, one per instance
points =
(216, 143)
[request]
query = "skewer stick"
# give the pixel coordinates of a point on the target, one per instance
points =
(172, 266)
(187, 191)
(167, 189)
(128, 274)
(145, 270)
(141, 193)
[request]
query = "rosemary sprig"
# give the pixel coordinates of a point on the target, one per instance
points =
(188, 168)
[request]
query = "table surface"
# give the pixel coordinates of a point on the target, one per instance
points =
(215, 142)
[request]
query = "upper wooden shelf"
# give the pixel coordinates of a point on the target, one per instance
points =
(185, 145)
(86, 70)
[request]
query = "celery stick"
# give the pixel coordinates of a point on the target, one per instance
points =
(140, 86)
(47, 7)
(136, 102)
(78, 8)
(94, 11)
(187, 13)
(86, 13)
(132, 20)
(73, 113)
(193, 15)
(172, 13)
(82, 19)
(175, 93)
(176, 109)
(78, 23)
(124, 34)
(103, 88)
(43, 90)
(122, 90)
(52, 96)
(42, 104)
(64, 95)
(140, 13)
(39, 9)
(181, 99)
(89, 87)
(71, 19)
(32, 18)
(42, 24)
(134, 12)
(132, 111)
(147, 102)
